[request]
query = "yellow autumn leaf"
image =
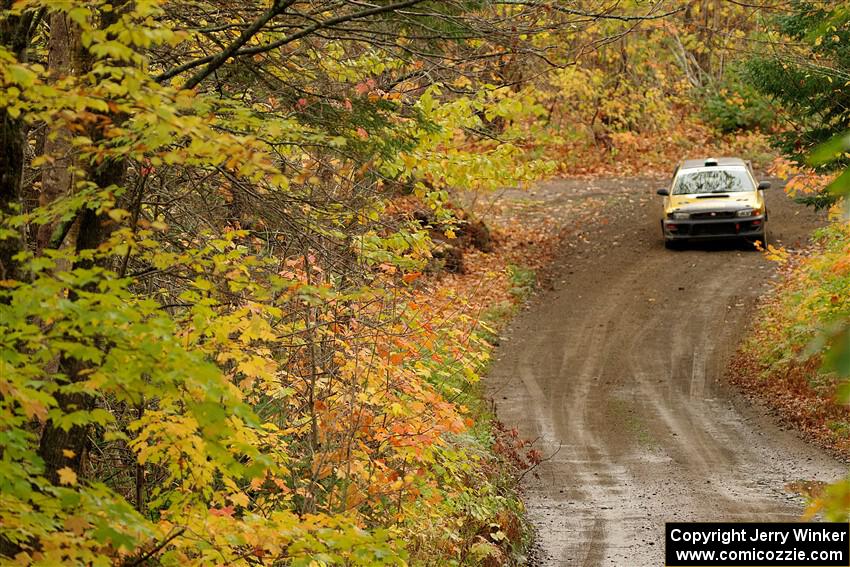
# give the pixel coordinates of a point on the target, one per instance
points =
(462, 81)
(76, 524)
(67, 476)
(34, 408)
(240, 499)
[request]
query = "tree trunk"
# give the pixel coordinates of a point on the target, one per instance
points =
(15, 33)
(65, 57)
(93, 230)
(11, 169)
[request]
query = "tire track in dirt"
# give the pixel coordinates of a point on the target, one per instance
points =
(618, 372)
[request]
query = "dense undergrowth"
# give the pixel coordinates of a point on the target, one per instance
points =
(781, 360)
(481, 519)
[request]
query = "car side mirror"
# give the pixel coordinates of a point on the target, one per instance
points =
(764, 185)
(663, 192)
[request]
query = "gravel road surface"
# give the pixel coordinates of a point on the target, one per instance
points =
(618, 372)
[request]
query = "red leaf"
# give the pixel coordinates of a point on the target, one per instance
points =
(226, 511)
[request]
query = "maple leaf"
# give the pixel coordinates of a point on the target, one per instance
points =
(34, 409)
(221, 512)
(76, 524)
(240, 499)
(67, 476)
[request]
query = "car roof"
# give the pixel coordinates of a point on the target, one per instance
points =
(707, 162)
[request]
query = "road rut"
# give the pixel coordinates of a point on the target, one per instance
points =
(618, 373)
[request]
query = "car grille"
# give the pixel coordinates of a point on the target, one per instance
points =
(713, 229)
(713, 215)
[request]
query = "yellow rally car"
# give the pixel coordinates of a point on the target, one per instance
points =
(714, 198)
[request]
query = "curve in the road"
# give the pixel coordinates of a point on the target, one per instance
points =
(618, 372)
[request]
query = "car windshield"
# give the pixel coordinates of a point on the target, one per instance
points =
(713, 181)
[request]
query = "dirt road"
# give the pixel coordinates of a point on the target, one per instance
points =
(618, 372)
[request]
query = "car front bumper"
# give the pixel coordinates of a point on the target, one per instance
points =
(713, 228)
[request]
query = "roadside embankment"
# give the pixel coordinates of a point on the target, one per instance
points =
(781, 362)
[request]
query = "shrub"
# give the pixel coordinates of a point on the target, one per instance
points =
(732, 106)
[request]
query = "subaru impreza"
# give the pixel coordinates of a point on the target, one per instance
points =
(714, 199)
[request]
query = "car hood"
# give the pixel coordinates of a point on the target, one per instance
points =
(724, 201)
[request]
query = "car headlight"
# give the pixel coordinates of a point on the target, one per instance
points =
(748, 212)
(680, 216)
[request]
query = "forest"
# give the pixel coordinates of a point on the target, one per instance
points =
(246, 307)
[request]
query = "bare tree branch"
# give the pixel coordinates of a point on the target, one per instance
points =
(215, 61)
(593, 15)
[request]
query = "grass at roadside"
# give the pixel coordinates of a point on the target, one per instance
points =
(523, 281)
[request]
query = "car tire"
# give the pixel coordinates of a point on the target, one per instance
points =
(671, 244)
